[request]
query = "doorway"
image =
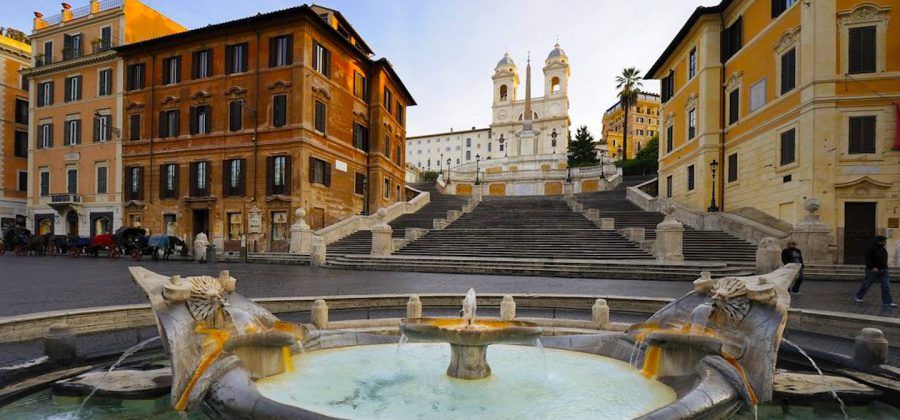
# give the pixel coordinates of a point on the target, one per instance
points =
(859, 231)
(201, 223)
(72, 223)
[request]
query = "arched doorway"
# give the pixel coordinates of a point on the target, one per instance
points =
(72, 223)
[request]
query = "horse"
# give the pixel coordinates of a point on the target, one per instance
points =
(175, 244)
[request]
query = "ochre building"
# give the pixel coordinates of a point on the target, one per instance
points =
(228, 129)
(75, 122)
(793, 100)
(643, 124)
(14, 56)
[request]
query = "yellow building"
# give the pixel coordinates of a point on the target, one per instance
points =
(643, 123)
(14, 56)
(793, 100)
(76, 115)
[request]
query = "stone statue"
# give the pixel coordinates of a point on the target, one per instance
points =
(200, 244)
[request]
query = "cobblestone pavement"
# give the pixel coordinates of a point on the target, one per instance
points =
(38, 284)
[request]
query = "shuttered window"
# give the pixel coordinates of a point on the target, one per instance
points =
(668, 86)
(235, 115)
(734, 106)
(102, 128)
(359, 187)
(732, 38)
(861, 50)
(136, 75)
(669, 186)
(45, 94)
(201, 119)
(692, 124)
(278, 175)
(45, 136)
(236, 58)
(690, 178)
(134, 183)
(200, 179)
(321, 59)
(171, 70)
(788, 147)
(862, 135)
(201, 64)
(72, 132)
(319, 172)
(281, 50)
(169, 122)
(321, 117)
(670, 138)
(104, 82)
(788, 71)
(134, 127)
(73, 89)
(279, 110)
(361, 137)
(234, 177)
(732, 167)
(168, 180)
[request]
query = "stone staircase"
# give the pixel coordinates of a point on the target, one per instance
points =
(698, 245)
(267, 258)
(531, 227)
(361, 241)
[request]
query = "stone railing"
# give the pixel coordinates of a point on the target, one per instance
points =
(353, 224)
(733, 224)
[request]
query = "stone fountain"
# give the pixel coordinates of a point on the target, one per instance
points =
(469, 338)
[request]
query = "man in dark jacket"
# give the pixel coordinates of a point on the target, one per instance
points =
(793, 255)
(877, 270)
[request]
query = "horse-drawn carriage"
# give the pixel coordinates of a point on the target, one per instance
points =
(21, 242)
(76, 246)
(135, 242)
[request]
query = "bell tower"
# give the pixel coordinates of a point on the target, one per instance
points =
(506, 81)
(556, 73)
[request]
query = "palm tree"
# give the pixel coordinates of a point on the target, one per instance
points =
(629, 85)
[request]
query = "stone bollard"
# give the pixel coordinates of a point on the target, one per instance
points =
(592, 214)
(59, 345)
(508, 308)
(382, 236)
(577, 207)
(320, 314)
(412, 234)
(452, 215)
(813, 236)
(870, 348)
(317, 251)
(704, 283)
(301, 234)
(669, 237)
(607, 223)
(768, 255)
(600, 313)
(414, 307)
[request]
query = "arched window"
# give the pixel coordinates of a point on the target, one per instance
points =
(554, 85)
(503, 92)
(101, 226)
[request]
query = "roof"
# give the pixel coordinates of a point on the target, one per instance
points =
(679, 37)
(505, 61)
(447, 133)
(384, 63)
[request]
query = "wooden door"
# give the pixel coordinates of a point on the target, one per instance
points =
(316, 218)
(859, 231)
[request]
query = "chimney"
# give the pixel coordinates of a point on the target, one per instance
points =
(95, 6)
(39, 22)
(66, 12)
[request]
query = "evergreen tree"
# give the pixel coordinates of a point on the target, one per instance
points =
(581, 150)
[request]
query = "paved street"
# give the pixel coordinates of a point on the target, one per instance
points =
(34, 284)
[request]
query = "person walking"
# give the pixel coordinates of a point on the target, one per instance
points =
(877, 270)
(793, 255)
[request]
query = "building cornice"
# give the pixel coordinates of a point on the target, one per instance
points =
(447, 133)
(108, 55)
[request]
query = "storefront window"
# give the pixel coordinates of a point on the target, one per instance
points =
(45, 227)
(235, 226)
(169, 224)
(279, 225)
(134, 220)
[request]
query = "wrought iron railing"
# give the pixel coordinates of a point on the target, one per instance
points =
(65, 198)
(84, 11)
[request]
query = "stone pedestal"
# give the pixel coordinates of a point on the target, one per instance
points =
(200, 244)
(592, 214)
(669, 237)
(600, 313)
(301, 234)
(870, 348)
(507, 308)
(320, 314)
(382, 239)
(814, 238)
(59, 345)
(317, 256)
(414, 307)
(468, 362)
(768, 255)
(607, 223)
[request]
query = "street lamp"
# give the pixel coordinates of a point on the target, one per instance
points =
(441, 163)
(501, 141)
(448, 168)
(477, 161)
(712, 202)
(553, 140)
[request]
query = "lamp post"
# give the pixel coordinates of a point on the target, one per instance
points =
(441, 163)
(477, 161)
(641, 158)
(448, 169)
(501, 141)
(712, 202)
(602, 167)
(553, 140)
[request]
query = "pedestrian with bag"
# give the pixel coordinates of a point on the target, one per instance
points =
(877, 270)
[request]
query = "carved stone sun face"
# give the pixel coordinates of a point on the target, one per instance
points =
(206, 300)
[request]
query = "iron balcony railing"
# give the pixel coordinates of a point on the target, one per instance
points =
(65, 198)
(84, 11)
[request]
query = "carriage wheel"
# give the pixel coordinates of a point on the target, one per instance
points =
(2, 250)
(136, 254)
(19, 250)
(114, 253)
(75, 252)
(51, 250)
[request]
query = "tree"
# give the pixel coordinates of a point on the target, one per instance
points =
(646, 160)
(581, 150)
(15, 34)
(629, 85)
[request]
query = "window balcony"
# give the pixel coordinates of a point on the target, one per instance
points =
(62, 201)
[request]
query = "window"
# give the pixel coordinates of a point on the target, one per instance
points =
(201, 64)
(278, 175)
(861, 47)
(134, 127)
(692, 124)
(279, 225)
(788, 145)
(398, 156)
(72, 181)
(690, 178)
(732, 38)
(23, 82)
(168, 186)
(732, 167)
(45, 183)
(321, 59)
(102, 179)
(503, 92)
(692, 64)
(387, 147)
(319, 172)
(387, 188)
(734, 106)
(200, 179)
(361, 137)
(399, 113)
(23, 181)
(73, 88)
(201, 119)
(468, 155)
(235, 115)
(169, 221)
(236, 58)
(388, 99)
(320, 117)
(21, 111)
(862, 135)
(489, 147)
(45, 94)
(669, 186)
(105, 41)
(758, 95)
(233, 177)
(20, 149)
(670, 138)
(279, 110)
(359, 187)
(779, 7)
(281, 50)
(172, 70)
(667, 86)
(468, 142)
(235, 227)
(72, 133)
(45, 136)
(788, 71)
(169, 123)
(554, 85)
(104, 82)
(360, 86)
(72, 47)
(134, 181)
(102, 128)
(136, 74)
(48, 53)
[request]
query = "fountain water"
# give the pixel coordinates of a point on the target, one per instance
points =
(131, 350)
(469, 306)
(816, 367)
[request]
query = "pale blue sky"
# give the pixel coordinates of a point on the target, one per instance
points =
(445, 51)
